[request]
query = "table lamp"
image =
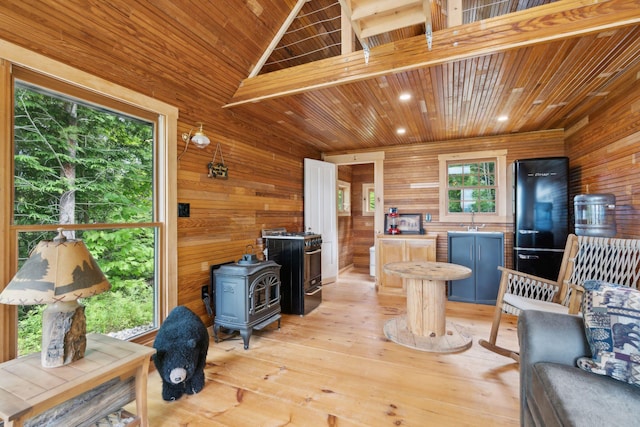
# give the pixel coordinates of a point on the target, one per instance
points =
(57, 273)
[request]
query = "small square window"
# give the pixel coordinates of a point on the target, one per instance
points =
(474, 182)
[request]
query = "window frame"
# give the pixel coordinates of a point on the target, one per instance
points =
(501, 214)
(345, 188)
(165, 181)
(367, 189)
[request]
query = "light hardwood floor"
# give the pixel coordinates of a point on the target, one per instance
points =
(334, 367)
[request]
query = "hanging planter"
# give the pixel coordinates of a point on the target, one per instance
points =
(218, 169)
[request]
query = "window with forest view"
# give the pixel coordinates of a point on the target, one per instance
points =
(471, 186)
(368, 199)
(343, 194)
(89, 168)
(473, 183)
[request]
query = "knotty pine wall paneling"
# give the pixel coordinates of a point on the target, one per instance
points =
(188, 56)
(604, 148)
(363, 226)
(411, 176)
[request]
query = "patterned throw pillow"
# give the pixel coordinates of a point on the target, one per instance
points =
(611, 316)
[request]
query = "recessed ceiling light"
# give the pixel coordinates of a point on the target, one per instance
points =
(405, 96)
(401, 131)
(503, 118)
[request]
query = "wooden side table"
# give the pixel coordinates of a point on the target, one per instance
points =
(425, 326)
(27, 389)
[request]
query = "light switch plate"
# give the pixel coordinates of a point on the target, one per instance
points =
(183, 210)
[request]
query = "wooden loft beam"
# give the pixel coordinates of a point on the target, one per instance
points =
(454, 13)
(381, 16)
(372, 17)
(347, 14)
(378, 7)
(368, 18)
(347, 40)
(555, 21)
(384, 24)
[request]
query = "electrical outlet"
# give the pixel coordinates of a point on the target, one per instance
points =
(204, 291)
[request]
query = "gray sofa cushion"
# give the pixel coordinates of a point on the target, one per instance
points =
(562, 395)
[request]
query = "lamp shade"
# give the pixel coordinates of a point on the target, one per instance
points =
(56, 271)
(200, 139)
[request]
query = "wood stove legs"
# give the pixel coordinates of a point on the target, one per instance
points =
(245, 332)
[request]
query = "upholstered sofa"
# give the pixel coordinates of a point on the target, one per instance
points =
(554, 391)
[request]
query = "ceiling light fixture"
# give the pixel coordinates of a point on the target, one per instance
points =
(199, 139)
(401, 131)
(405, 96)
(503, 118)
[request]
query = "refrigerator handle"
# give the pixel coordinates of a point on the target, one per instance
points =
(528, 231)
(528, 256)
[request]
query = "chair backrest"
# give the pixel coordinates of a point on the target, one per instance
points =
(599, 258)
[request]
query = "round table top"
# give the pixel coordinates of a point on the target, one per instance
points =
(428, 270)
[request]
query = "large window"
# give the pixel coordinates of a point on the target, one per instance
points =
(76, 165)
(95, 166)
(473, 183)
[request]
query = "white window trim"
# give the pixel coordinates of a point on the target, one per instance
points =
(503, 195)
(165, 167)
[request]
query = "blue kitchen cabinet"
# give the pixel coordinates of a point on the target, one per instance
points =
(482, 252)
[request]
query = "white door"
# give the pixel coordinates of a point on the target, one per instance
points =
(320, 212)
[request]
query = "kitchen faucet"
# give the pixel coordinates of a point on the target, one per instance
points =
(473, 226)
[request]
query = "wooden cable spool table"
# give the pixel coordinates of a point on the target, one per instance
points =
(425, 327)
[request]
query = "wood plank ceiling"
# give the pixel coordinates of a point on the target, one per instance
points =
(525, 87)
(543, 64)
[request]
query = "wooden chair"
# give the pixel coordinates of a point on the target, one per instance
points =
(585, 258)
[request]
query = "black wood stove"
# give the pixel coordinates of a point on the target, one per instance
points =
(247, 295)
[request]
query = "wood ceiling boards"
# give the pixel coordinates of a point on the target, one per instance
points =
(542, 67)
(545, 67)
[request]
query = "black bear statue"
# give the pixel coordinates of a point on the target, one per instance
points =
(181, 353)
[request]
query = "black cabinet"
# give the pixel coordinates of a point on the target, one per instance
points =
(482, 252)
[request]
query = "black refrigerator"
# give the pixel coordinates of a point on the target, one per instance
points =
(541, 195)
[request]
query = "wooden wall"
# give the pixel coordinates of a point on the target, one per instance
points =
(418, 164)
(604, 148)
(264, 190)
(363, 226)
(127, 43)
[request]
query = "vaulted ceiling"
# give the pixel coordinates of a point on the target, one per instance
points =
(511, 66)
(295, 70)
